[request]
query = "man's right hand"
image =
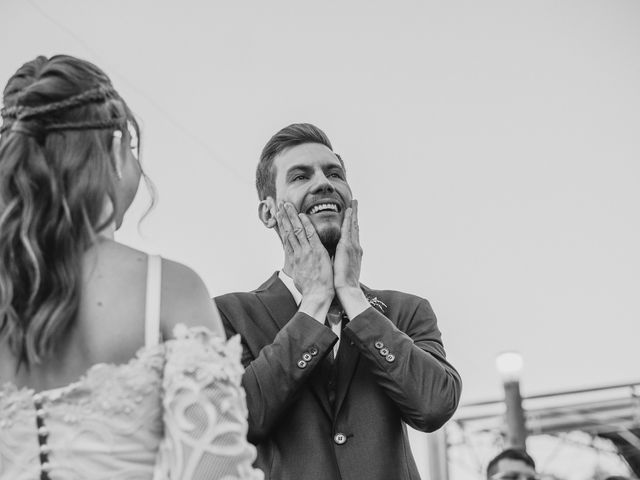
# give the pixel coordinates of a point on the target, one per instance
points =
(308, 261)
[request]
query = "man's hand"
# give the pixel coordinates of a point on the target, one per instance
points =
(347, 263)
(308, 261)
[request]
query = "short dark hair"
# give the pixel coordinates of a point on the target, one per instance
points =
(510, 454)
(290, 136)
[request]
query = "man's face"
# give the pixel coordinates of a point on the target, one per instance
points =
(510, 469)
(311, 177)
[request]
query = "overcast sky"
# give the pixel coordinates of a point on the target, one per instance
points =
(493, 146)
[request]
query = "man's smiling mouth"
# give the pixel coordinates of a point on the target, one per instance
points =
(324, 207)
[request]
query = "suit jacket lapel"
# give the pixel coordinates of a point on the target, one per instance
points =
(278, 301)
(348, 358)
(317, 383)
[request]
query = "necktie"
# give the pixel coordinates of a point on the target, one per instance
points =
(335, 318)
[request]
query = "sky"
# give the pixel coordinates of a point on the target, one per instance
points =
(493, 147)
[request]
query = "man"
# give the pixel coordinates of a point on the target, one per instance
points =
(333, 369)
(512, 464)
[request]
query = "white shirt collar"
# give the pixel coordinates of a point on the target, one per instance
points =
(288, 282)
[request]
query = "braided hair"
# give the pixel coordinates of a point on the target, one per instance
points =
(56, 172)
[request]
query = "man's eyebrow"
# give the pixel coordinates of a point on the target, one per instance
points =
(300, 166)
(297, 169)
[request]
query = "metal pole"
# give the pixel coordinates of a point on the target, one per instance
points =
(516, 428)
(437, 448)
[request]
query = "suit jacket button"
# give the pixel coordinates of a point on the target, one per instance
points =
(384, 352)
(391, 358)
(302, 364)
(313, 351)
(378, 344)
(340, 438)
(306, 356)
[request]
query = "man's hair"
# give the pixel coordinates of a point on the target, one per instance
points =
(510, 454)
(290, 136)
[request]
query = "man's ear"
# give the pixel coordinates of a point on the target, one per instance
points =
(267, 212)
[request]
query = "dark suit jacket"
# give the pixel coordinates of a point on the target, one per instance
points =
(391, 370)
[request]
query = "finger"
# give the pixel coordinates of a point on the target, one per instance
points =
(310, 230)
(345, 230)
(298, 228)
(287, 228)
(288, 249)
(355, 226)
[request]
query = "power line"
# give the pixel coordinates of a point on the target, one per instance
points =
(167, 115)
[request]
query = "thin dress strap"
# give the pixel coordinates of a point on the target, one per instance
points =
(152, 310)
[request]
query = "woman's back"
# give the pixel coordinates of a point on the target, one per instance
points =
(109, 401)
(109, 327)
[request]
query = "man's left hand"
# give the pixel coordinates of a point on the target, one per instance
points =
(347, 263)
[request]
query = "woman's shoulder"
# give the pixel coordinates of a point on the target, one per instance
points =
(177, 278)
(186, 300)
(184, 297)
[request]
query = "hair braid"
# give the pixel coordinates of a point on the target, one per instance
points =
(96, 94)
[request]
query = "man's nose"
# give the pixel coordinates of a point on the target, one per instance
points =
(322, 184)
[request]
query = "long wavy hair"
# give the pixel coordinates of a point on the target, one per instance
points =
(56, 173)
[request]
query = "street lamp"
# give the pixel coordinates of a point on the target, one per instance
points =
(509, 365)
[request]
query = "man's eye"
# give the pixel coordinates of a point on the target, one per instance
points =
(335, 175)
(299, 177)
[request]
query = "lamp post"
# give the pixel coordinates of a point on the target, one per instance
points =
(509, 365)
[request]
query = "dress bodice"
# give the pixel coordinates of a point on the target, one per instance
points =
(175, 411)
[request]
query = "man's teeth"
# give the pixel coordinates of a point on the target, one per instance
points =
(323, 206)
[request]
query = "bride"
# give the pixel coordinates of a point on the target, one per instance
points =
(113, 363)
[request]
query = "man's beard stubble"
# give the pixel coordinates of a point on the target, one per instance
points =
(329, 239)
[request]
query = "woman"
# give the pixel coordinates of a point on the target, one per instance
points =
(87, 389)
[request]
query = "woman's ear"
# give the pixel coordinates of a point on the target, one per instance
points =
(116, 153)
(267, 212)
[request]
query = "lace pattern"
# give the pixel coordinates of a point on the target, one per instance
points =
(175, 411)
(204, 410)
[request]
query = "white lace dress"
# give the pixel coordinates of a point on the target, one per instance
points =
(176, 411)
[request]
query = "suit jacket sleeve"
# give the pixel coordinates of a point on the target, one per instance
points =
(272, 380)
(408, 360)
